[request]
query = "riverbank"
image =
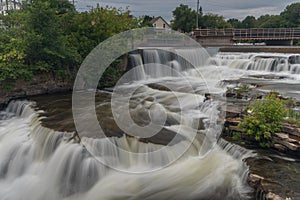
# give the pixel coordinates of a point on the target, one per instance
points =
(258, 49)
(273, 172)
(40, 85)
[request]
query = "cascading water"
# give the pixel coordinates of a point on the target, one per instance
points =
(40, 163)
(175, 59)
(136, 60)
(197, 57)
(276, 62)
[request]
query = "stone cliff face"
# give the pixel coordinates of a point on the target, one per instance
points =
(38, 86)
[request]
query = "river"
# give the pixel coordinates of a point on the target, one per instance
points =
(42, 158)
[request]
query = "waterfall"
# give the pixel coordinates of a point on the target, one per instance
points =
(197, 57)
(40, 163)
(158, 63)
(139, 72)
(152, 59)
(277, 63)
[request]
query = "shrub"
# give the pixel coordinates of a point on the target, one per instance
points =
(265, 119)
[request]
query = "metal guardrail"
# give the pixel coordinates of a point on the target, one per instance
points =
(252, 33)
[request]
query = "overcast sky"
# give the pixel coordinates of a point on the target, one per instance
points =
(228, 8)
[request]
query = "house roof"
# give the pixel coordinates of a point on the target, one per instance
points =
(159, 17)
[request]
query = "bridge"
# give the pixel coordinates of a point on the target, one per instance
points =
(271, 36)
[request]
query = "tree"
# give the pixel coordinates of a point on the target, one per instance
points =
(291, 15)
(51, 36)
(88, 29)
(270, 21)
(249, 22)
(213, 21)
(235, 23)
(146, 21)
(46, 44)
(184, 18)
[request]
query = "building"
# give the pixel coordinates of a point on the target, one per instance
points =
(6, 5)
(159, 22)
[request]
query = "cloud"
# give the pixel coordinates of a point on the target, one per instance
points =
(229, 9)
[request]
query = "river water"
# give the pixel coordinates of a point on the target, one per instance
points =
(41, 159)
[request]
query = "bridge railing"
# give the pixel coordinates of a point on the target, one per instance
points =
(251, 34)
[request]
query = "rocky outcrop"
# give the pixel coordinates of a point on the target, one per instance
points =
(287, 141)
(260, 184)
(38, 86)
(272, 196)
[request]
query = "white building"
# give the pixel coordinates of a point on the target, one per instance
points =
(159, 22)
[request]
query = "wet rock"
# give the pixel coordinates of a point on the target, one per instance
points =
(254, 180)
(262, 186)
(283, 142)
(272, 196)
(280, 147)
(291, 129)
(233, 112)
(235, 129)
(233, 121)
(159, 87)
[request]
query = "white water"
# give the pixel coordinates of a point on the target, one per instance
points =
(167, 62)
(268, 62)
(39, 163)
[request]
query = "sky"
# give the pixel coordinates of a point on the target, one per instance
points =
(228, 8)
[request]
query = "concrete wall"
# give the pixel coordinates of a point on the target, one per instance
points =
(215, 41)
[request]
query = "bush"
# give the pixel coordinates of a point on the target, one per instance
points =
(265, 119)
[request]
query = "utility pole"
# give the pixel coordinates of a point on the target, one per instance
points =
(197, 17)
(6, 6)
(1, 6)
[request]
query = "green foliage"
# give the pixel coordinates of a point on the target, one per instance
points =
(270, 21)
(213, 21)
(265, 119)
(235, 23)
(184, 18)
(146, 21)
(111, 75)
(243, 89)
(12, 58)
(237, 136)
(291, 15)
(249, 22)
(50, 36)
(289, 18)
(293, 117)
